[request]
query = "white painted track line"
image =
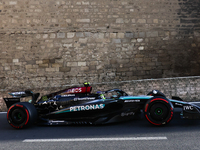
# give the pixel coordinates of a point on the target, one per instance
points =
(96, 139)
(3, 112)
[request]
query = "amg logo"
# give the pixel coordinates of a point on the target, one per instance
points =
(188, 108)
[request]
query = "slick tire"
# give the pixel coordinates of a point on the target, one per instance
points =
(21, 115)
(158, 111)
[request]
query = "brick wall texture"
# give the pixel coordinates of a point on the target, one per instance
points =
(51, 43)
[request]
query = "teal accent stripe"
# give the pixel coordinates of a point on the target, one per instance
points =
(62, 111)
(177, 101)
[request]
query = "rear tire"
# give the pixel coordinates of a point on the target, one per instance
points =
(158, 111)
(21, 115)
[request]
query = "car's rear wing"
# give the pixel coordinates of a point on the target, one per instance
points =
(17, 95)
(21, 94)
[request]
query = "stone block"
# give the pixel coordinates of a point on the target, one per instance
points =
(13, 3)
(29, 66)
(72, 64)
(142, 21)
(85, 3)
(116, 41)
(133, 40)
(100, 35)
(155, 21)
(120, 20)
(79, 34)
(139, 40)
(81, 63)
(113, 35)
(141, 34)
(52, 69)
(120, 35)
(68, 20)
(83, 20)
(45, 36)
(44, 61)
(67, 41)
(19, 48)
(52, 35)
(32, 71)
(113, 61)
(70, 35)
(152, 34)
(83, 40)
(86, 68)
(67, 45)
(60, 35)
(137, 60)
(88, 34)
(65, 69)
(15, 60)
(59, 61)
(43, 65)
(38, 36)
(133, 21)
(129, 35)
(92, 63)
(56, 65)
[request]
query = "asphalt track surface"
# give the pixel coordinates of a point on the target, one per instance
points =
(138, 134)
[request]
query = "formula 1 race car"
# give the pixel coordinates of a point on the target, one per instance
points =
(77, 105)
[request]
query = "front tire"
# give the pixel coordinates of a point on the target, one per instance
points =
(158, 111)
(21, 115)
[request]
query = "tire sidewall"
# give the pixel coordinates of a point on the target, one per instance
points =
(150, 105)
(28, 112)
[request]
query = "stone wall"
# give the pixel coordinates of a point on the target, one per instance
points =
(58, 42)
(188, 88)
(53, 43)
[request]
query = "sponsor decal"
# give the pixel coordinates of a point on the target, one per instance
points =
(84, 98)
(132, 101)
(56, 121)
(188, 108)
(11, 99)
(127, 114)
(68, 95)
(178, 104)
(87, 107)
(74, 90)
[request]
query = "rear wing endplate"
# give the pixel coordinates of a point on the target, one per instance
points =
(10, 101)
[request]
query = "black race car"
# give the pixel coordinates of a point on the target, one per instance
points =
(77, 105)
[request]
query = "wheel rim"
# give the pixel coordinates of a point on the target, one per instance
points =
(159, 112)
(18, 116)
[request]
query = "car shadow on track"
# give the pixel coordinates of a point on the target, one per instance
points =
(137, 127)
